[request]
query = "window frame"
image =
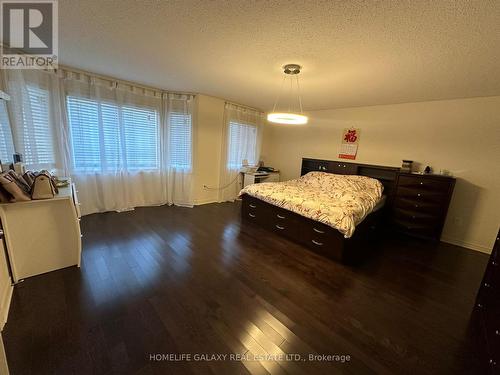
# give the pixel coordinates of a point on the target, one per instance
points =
(28, 141)
(230, 164)
(187, 165)
(123, 163)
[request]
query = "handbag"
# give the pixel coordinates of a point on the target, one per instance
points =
(12, 190)
(43, 186)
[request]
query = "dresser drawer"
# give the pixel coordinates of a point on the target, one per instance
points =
(492, 275)
(421, 195)
(491, 320)
(420, 205)
(419, 229)
(496, 250)
(414, 216)
(488, 297)
(424, 183)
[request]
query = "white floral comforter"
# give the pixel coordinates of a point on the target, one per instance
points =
(339, 201)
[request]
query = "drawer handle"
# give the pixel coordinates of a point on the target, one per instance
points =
(279, 227)
(421, 183)
(494, 264)
(317, 243)
(279, 216)
(251, 215)
(252, 205)
(497, 332)
(419, 195)
(486, 285)
(416, 206)
(318, 231)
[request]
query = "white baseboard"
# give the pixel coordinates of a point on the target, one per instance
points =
(468, 245)
(4, 314)
(205, 201)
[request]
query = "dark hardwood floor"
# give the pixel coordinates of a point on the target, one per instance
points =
(171, 280)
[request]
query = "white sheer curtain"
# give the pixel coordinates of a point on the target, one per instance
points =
(35, 116)
(241, 141)
(124, 146)
(115, 140)
(180, 154)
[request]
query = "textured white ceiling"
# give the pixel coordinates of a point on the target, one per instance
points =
(354, 53)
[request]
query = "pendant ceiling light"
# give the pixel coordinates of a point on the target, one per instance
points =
(289, 116)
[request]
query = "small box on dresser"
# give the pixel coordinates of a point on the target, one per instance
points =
(421, 204)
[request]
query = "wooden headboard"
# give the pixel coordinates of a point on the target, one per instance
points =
(387, 175)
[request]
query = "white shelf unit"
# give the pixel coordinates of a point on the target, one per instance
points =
(42, 235)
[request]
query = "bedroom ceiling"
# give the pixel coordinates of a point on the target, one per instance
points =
(354, 53)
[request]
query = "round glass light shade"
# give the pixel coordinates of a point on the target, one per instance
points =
(287, 118)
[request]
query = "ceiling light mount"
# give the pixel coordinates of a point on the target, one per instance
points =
(291, 69)
(289, 116)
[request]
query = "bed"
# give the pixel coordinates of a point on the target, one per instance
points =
(335, 208)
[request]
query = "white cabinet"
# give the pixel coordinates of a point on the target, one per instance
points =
(42, 235)
(258, 177)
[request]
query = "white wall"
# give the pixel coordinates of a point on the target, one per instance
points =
(209, 118)
(462, 136)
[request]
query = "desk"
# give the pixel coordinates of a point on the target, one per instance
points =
(257, 177)
(42, 235)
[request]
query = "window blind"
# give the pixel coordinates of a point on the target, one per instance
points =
(140, 127)
(109, 137)
(242, 144)
(6, 145)
(180, 136)
(36, 140)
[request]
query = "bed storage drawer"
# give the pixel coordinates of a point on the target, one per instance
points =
(321, 238)
(254, 210)
(317, 236)
(283, 222)
(270, 217)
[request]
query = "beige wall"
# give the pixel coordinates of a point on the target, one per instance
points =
(209, 117)
(462, 136)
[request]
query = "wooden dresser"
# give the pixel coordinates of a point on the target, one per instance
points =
(420, 204)
(488, 310)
